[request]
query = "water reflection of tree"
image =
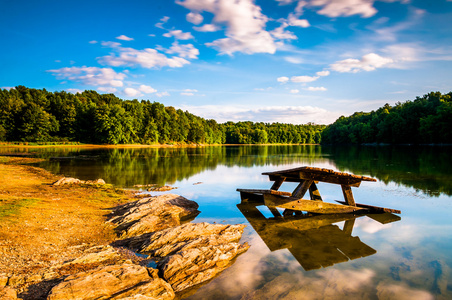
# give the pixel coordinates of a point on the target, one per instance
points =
(426, 169)
(129, 166)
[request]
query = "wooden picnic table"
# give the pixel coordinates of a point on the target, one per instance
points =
(308, 177)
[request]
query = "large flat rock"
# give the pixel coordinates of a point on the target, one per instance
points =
(113, 282)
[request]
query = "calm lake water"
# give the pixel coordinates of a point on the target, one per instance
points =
(406, 256)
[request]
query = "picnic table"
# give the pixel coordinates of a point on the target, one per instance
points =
(307, 179)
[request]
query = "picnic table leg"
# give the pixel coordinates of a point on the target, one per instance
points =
(314, 192)
(277, 184)
(302, 188)
(348, 195)
(274, 212)
(348, 226)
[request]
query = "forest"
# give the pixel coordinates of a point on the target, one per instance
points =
(425, 120)
(39, 116)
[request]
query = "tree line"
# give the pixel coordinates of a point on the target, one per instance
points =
(425, 120)
(37, 115)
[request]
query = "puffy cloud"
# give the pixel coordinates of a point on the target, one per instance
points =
(93, 42)
(207, 28)
(91, 76)
(245, 25)
(147, 89)
(283, 79)
(281, 34)
(294, 91)
(368, 62)
(124, 38)
(147, 58)
(315, 89)
(323, 73)
(195, 18)
(294, 21)
(186, 51)
(179, 34)
(304, 79)
(337, 8)
(131, 92)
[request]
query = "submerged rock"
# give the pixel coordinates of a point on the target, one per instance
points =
(152, 214)
(113, 282)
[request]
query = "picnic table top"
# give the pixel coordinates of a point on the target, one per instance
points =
(318, 174)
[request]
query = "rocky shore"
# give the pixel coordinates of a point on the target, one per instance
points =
(158, 254)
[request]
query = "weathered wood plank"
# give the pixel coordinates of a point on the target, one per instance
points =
(302, 188)
(319, 174)
(257, 191)
(314, 192)
(374, 208)
(318, 207)
(348, 195)
(277, 184)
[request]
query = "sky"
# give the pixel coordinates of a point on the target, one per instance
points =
(288, 61)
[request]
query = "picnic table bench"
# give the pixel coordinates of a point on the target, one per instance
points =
(307, 178)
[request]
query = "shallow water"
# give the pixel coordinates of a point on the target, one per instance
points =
(406, 256)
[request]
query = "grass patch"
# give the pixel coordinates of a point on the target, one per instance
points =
(12, 207)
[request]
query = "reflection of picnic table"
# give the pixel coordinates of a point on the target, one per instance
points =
(308, 177)
(314, 240)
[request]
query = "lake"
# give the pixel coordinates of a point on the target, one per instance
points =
(406, 256)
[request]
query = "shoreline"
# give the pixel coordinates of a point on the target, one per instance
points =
(58, 240)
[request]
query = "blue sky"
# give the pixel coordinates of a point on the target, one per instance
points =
(291, 61)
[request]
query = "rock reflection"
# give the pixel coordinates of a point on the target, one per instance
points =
(313, 240)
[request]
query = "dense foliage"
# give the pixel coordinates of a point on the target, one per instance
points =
(34, 115)
(425, 120)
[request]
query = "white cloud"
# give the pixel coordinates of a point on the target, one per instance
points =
(294, 91)
(111, 44)
(323, 73)
(368, 62)
(207, 28)
(162, 94)
(304, 79)
(91, 76)
(179, 34)
(7, 87)
(283, 79)
(162, 22)
(93, 42)
(338, 8)
(186, 51)
(294, 21)
(147, 58)
(191, 90)
(282, 114)
(74, 91)
(281, 34)
(293, 60)
(187, 94)
(245, 25)
(131, 92)
(195, 18)
(315, 89)
(122, 37)
(147, 89)
(107, 89)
